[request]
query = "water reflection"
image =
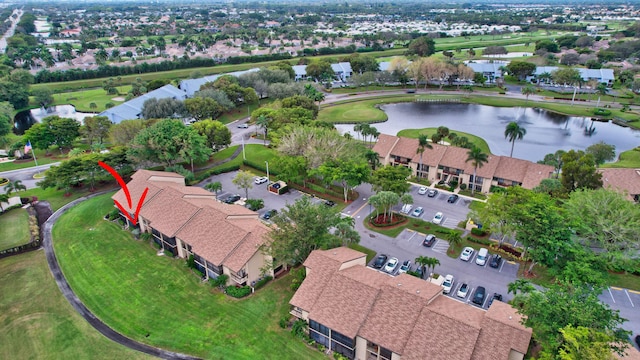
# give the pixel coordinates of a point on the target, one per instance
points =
(546, 131)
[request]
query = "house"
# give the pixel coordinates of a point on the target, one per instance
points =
(342, 70)
(490, 70)
(189, 221)
(132, 109)
(626, 181)
(300, 72)
(363, 313)
(448, 163)
(190, 86)
(603, 76)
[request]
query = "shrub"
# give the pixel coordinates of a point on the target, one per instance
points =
(298, 278)
(217, 171)
(284, 321)
(220, 281)
(299, 328)
(113, 214)
(497, 189)
(260, 283)
(255, 204)
(238, 292)
(601, 112)
(478, 232)
(145, 236)
(168, 253)
(480, 241)
(191, 262)
(463, 186)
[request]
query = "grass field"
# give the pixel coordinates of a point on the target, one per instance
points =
(82, 100)
(40, 156)
(157, 300)
(627, 159)
(37, 322)
(476, 140)
(14, 228)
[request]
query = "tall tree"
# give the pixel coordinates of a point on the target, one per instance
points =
(163, 108)
(203, 108)
(14, 186)
(478, 158)
(521, 69)
(554, 160)
(422, 46)
(124, 132)
(514, 132)
(244, 180)
(217, 135)
(579, 171)
(96, 127)
(384, 200)
(528, 90)
(602, 152)
(263, 122)
(391, 178)
(214, 186)
(301, 228)
(349, 173)
(292, 169)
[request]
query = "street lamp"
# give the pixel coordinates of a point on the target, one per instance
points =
(268, 180)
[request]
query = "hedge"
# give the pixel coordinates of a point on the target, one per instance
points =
(260, 283)
(237, 292)
(217, 171)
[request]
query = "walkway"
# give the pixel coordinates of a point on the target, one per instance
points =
(80, 307)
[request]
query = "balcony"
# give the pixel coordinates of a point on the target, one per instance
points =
(240, 277)
(297, 312)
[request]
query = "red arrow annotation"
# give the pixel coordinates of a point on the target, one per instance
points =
(125, 189)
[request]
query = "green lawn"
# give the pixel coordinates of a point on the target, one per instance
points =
(476, 140)
(82, 99)
(627, 159)
(37, 322)
(40, 156)
(360, 111)
(370, 253)
(158, 301)
(413, 224)
(14, 228)
(56, 197)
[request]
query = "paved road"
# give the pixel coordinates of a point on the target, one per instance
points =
(12, 29)
(26, 174)
(80, 307)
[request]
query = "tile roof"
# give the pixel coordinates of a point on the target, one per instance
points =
(136, 188)
(454, 157)
(319, 270)
(342, 254)
(147, 174)
(405, 147)
(248, 247)
(622, 180)
(512, 169)
(535, 174)
(156, 211)
(431, 157)
(385, 144)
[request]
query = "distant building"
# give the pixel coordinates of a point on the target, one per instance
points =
(603, 76)
(132, 109)
(190, 86)
(490, 70)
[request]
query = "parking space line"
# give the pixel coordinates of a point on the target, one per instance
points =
(611, 294)
(485, 301)
(412, 235)
(501, 265)
(629, 297)
(468, 297)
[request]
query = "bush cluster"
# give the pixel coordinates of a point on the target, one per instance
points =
(217, 171)
(478, 232)
(220, 281)
(260, 283)
(238, 292)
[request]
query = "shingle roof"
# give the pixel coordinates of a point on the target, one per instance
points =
(385, 144)
(136, 187)
(535, 174)
(512, 169)
(501, 331)
(248, 247)
(622, 180)
(405, 147)
(133, 108)
(430, 157)
(157, 212)
(319, 270)
(190, 86)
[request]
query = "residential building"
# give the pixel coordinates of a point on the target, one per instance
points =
(365, 314)
(445, 163)
(185, 221)
(342, 70)
(626, 181)
(132, 109)
(491, 70)
(190, 86)
(603, 76)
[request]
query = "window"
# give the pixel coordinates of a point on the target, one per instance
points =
(319, 327)
(215, 269)
(319, 338)
(341, 349)
(170, 241)
(342, 339)
(156, 233)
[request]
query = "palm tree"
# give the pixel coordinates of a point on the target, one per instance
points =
(528, 90)
(373, 158)
(478, 159)
(423, 144)
(454, 239)
(431, 264)
(263, 122)
(601, 90)
(3, 199)
(422, 261)
(14, 186)
(522, 285)
(514, 132)
(214, 186)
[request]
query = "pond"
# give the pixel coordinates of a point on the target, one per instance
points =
(547, 131)
(26, 118)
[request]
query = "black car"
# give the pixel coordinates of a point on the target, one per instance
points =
(269, 214)
(452, 198)
(496, 296)
(329, 203)
(419, 271)
(638, 340)
(478, 296)
(231, 199)
(496, 260)
(429, 240)
(380, 261)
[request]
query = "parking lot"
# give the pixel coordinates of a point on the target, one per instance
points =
(453, 213)
(628, 303)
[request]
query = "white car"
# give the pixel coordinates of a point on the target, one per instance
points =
(467, 253)
(422, 190)
(243, 126)
(406, 266)
(463, 291)
(406, 208)
(447, 284)
(391, 266)
(261, 180)
(438, 218)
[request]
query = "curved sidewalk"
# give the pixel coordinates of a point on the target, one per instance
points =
(79, 306)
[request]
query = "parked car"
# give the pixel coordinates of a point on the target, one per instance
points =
(269, 214)
(261, 180)
(496, 296)
(406, 208)
(419, 272)
(243, 126)
(392, 265)
(447, 284)
(406, 266)
(417, 212)
(429, 240)
(422, 190)
(438, 218)
(496, 260)
(231, 199)
(467, 253)
(479, 295)
(483, 254)
(432, 192)
(452, 198)
(638, 340)
(380, 261)
(329, 203)
(463, 291)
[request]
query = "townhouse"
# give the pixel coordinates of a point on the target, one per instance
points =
(445, 164)
(185, 220)
(363, 313)
(626, 181)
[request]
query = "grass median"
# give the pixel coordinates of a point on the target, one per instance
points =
(158, 301)
(37, 322)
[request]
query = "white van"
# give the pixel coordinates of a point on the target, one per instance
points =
(483, 254)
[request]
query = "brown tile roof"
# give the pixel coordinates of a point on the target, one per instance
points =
(320, 268)
(247, 248)
(535, 174)
(136, 188)
(415, 287)
(622, 180)
(344, 304)
(384, 144)
(487, 170)
(228, 209)
(405, 147)
(511, 169)
(342, 254)
(366, 275)
(430, 157)
(146, 174)
(454, 157)
(167, 212)
(211, 236)
(501, 331)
